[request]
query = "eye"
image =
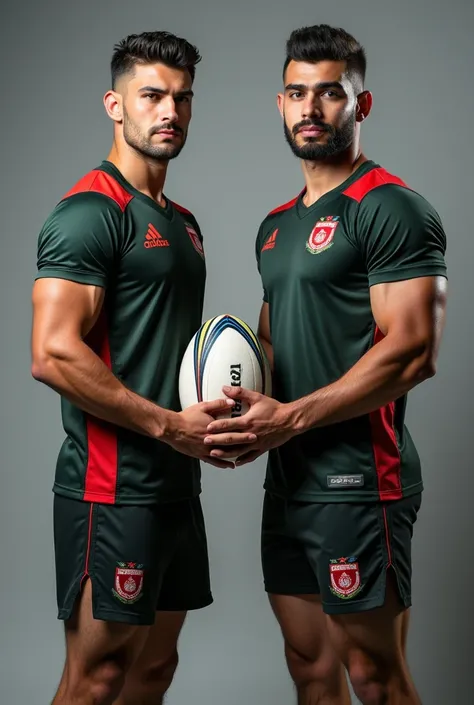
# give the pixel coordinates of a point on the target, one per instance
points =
(151, 96)
(331, 94)
(296, 94)
(182, 99)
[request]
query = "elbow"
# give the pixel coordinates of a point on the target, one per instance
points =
(44, 364)
(422, 366)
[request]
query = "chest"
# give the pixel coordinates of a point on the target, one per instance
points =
(318, 250)
(159, 248)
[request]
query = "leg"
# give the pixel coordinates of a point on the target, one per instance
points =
(107, 626)
(312, 661)
(367, 595)
(151, 675)
(98, 655)
(371, 645)
(185, 586)
(289, 578)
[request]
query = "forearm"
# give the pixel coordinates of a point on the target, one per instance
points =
(382, 375)
(80, 376)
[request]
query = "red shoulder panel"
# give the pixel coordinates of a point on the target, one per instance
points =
(286, 206)
(370, 181)
(100, 182)
(179, 208)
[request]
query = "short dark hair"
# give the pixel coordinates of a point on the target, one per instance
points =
(153, 47)
(324, 43)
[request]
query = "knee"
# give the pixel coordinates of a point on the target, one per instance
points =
(105, 683)
(306, 669)
(370, 680)
(158, 675)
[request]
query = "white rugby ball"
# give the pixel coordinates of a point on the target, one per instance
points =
(223, 352)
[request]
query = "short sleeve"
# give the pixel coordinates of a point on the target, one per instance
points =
(400, 235)
(258, 249)
(80, 240)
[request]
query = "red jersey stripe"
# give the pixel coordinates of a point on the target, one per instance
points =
(373, 179)
(385, 447)
(100, 182)
(101, 470)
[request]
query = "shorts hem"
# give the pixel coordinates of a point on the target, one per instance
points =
(133, 500)
(187, 606)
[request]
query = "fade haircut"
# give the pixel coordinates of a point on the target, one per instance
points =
(151, 48)
(324, 43)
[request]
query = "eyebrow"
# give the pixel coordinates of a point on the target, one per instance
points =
(323, 85)
(162, 91)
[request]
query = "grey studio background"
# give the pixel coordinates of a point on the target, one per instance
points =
(234, 169)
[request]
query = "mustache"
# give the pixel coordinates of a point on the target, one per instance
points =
(311, 123)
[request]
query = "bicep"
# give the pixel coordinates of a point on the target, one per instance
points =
(63, 311)
(411, 310)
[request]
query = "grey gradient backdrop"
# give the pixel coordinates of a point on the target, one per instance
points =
(234, 169)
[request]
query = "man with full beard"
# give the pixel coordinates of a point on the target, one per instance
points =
(118, 296)
(354, 283)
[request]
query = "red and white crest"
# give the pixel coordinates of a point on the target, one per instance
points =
(195, 239)
(128, 583)
(322, 234)
(345, 579)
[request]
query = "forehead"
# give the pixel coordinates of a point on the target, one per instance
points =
(160, 76)
(309, 73)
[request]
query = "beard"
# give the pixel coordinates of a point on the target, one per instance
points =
(339, 139)
(142, 142)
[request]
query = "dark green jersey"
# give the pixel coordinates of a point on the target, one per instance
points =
(150, 261)
(317, 266)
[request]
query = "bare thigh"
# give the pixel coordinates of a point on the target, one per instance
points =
(310, 654)
(155, 666)
(98, 654)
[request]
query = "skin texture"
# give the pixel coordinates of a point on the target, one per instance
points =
(150, 110)
(370, 646)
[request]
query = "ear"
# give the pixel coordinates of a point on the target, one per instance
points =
(113, 103)
(280, 98)
(364, 105)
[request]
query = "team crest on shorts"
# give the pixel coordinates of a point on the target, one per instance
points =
(322, 235)
(345, 577)
(194, 239)
(128, 583)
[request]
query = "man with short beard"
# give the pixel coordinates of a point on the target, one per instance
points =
(354, 283)
(118, 296)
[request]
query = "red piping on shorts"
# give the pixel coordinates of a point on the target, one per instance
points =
(89, 541)
(387, 538)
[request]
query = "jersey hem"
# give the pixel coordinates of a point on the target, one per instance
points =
(344, 495)
(401, 273)
(132, 499)
(71, 275)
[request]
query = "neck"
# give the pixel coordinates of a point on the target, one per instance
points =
(143, 173)
(323, 176)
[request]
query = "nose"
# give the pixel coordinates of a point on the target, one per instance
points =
(168, 110)
(311, 106)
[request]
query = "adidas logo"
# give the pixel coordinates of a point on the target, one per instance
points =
(270, 243)
(154, 239)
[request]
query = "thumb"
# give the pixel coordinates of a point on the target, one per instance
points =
(242, 393)
(210, 407)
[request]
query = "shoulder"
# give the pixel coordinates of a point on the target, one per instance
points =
(97, 189)
(185, 213)
(381, 191)
(273, 217)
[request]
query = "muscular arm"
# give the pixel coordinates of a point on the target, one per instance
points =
(264, 332)
(410, 315)
(64, 312)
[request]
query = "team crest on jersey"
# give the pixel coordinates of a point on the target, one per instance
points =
(128, 583)
(322, 235)
(345, 577)
(194, 239)
(270, 242)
